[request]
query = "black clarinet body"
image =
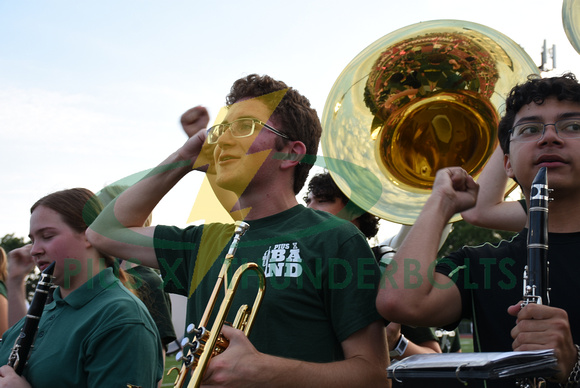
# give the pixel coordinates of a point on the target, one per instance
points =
(21, 350)
(536, 287)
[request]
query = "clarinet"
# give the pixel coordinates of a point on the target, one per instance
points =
(536, 288)
(21, 350)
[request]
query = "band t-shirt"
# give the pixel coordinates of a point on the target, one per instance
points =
(320, 274)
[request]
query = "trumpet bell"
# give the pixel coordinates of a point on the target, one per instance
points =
(571, 22)
(419, 99)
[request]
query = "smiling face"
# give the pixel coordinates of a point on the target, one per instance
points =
(560, 156)
(239, 161)
(53, 240)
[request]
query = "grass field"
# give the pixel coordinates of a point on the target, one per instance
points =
(170, 363)
(466, 344)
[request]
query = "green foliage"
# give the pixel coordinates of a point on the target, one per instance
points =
(467, 234)
(10, 242)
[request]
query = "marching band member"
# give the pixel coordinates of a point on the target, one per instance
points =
(318, 325)
(95, 332)
(541, 128)
(4, 321)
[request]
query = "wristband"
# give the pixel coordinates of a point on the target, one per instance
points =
(400, 348)
(574, 378)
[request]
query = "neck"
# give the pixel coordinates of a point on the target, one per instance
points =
(267, 196)
(266, 203)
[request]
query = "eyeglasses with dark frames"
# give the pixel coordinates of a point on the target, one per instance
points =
(565, 129)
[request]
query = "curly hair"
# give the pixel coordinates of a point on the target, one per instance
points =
(536, 90)
(292, 114)
(323, 186)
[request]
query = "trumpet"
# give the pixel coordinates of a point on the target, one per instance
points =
(208, 343)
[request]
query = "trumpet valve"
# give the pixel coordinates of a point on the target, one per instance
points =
(194, 346)
(199, 333)
(185, 358)
(185, 342)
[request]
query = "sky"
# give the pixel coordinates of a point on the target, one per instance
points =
(92, 91)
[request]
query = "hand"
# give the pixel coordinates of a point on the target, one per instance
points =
(393, 334)
(20, 263)
(541, 327)
(193, 122)
(9, 378)
(457, 188)
(231, 368)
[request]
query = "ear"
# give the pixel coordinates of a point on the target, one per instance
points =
(508, 166)
(295, 154)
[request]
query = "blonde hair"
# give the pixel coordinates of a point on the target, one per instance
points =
(3, 264)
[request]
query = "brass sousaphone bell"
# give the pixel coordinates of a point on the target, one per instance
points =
(419, 99)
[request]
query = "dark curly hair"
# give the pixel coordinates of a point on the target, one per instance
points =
(537, 90)
(323, 186)
(293, 116)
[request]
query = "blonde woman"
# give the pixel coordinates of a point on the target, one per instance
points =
(3, 292)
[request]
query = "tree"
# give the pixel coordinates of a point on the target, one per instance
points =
(467, 234)
(10, 242)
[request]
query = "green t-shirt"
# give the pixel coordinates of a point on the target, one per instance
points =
(321, 278)
(150, 288)
(100, 335)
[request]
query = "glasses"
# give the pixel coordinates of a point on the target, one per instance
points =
(565, 129)
(239, 128)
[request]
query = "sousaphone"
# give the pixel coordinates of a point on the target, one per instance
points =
(571, 22)
(422, 98)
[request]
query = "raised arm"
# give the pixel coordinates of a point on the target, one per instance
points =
(411, 292)
(491, 210)
(119, 230)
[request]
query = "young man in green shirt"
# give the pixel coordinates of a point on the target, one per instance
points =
(318, 325)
